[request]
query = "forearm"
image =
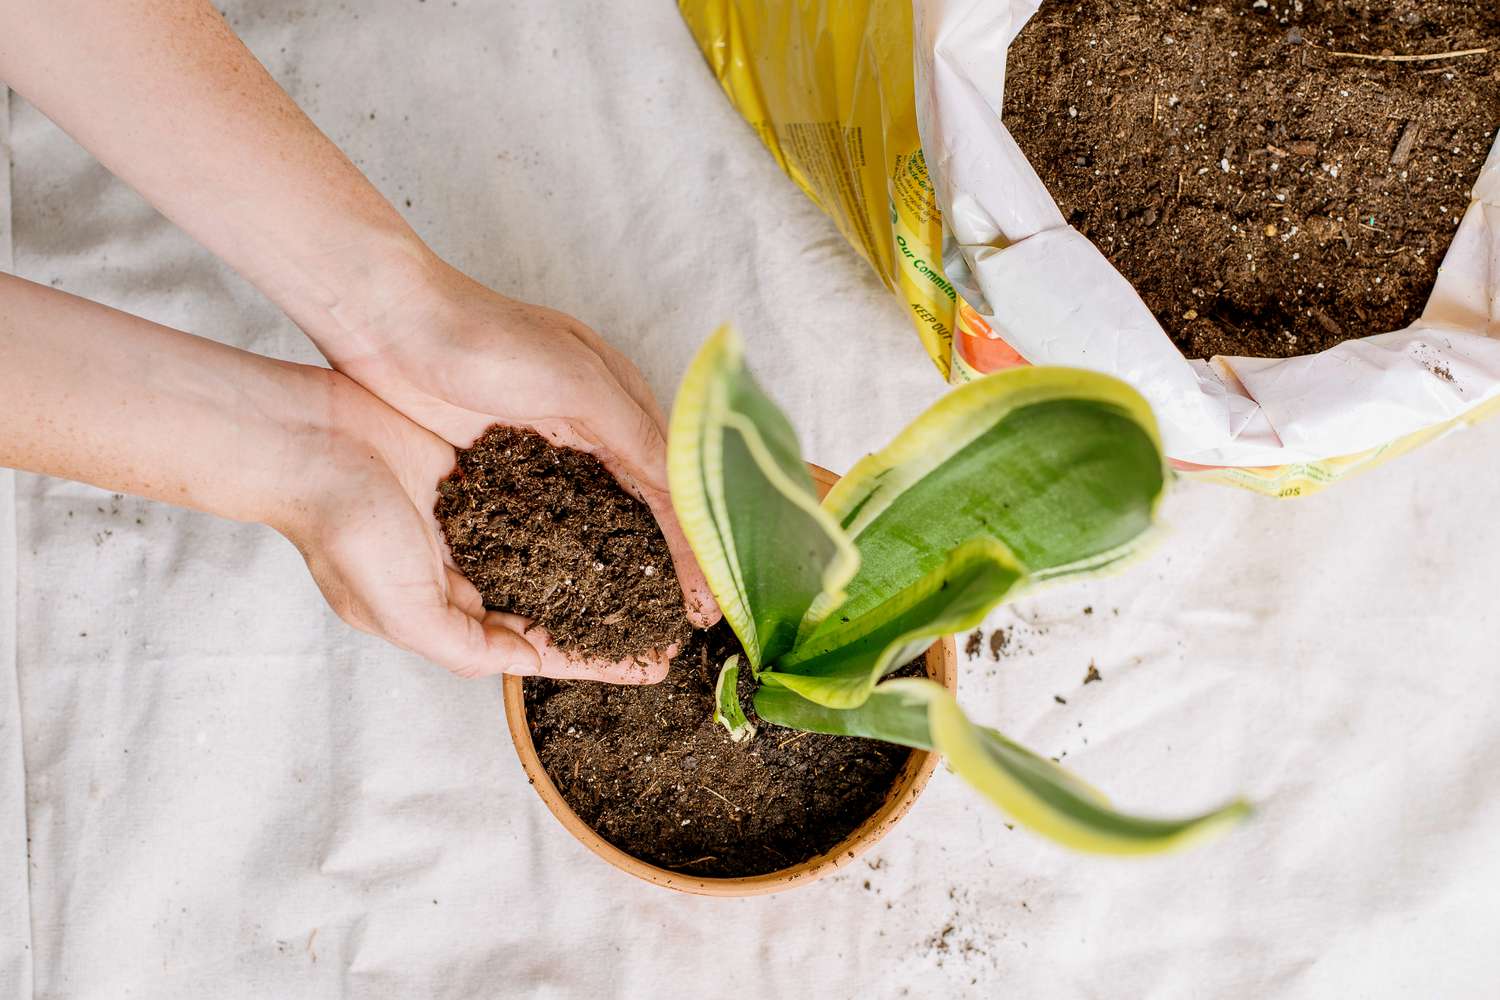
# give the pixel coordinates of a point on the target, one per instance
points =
(102, 397)
(166, 96)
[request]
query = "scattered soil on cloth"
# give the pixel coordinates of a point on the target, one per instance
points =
(649, 769)
(547, 533)
(1265, 195)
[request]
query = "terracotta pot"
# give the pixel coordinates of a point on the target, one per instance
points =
(942, 666)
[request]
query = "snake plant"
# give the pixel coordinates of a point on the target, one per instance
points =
(1019, 478)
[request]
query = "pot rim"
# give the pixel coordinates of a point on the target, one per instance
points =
(941, 661)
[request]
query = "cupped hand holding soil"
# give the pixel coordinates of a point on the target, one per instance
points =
(457, 358)
(558, 551)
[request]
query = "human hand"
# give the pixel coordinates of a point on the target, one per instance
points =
(362, 516)
(231, 159)
(456, 358)
(106, 398)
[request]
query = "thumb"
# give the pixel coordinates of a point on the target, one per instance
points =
(647, 668)
(469, 647)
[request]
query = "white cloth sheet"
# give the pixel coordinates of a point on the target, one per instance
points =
(229, 794)
(15, 897)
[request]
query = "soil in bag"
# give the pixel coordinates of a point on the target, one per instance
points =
(547, 533)
(1273, 179)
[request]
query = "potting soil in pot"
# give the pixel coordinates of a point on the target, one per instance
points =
(649, 769)
(547, 533)
(1266, 190)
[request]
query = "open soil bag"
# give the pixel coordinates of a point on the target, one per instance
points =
(890, 116)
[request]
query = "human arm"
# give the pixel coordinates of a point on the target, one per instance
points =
(166, 96)
(102, 397)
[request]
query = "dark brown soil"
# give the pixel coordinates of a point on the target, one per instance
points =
(547, 533)
(649, 769)
(1265, 195)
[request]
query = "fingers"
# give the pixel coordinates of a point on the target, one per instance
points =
(646, 669)
(468, 646)
(549, 662)
(463, 595)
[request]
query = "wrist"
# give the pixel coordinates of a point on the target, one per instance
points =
(359, 294)
(309, 444)
(344, 446)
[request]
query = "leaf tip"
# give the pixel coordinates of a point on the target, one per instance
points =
(727, 710)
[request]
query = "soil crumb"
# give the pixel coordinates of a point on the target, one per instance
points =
(974, 644)
(999, 642)
(1267, 193)
(547, 533)
(1093, 675)
(650, 770)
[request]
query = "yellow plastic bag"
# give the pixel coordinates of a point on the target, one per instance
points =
(829, 88)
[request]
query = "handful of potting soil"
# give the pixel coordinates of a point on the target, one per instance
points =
(547, 533)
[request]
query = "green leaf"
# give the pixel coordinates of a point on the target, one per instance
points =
(893, 713)
(772, 556)
(1062, 466)
(1033, 790)
(839, 664)
(727, 710)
